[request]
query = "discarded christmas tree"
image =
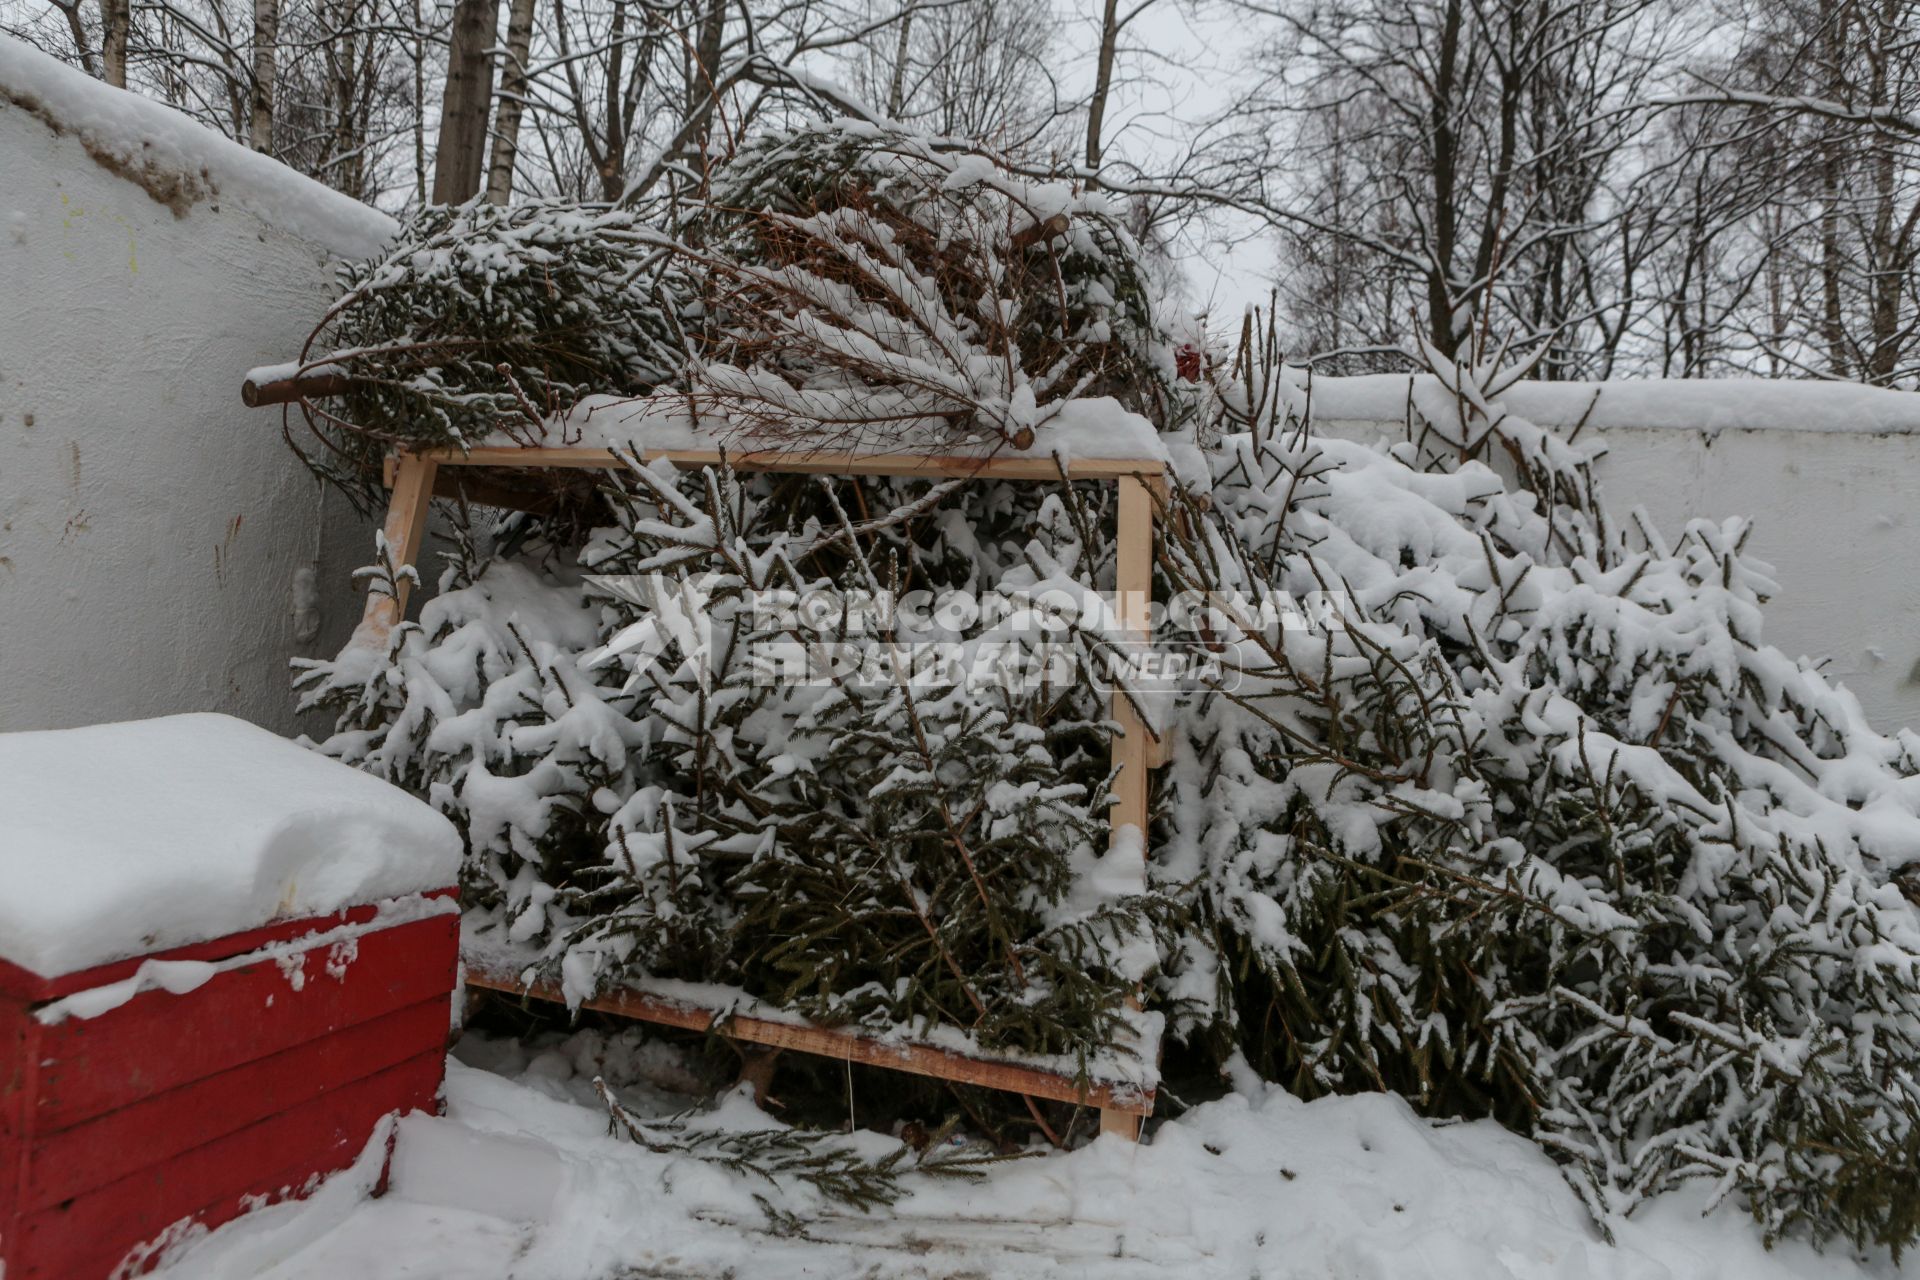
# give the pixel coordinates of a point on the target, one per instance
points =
(1544, 831)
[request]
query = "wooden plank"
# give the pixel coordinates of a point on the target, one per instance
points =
(34, 989)
(479, 489)
(124, 1141)
(90, 1066)
(16, 1073)
(86, 1236)
(1133, 585)
(16, 1084)
(406, 529)
(1133, 746)
(810, 462)
(838, 1043)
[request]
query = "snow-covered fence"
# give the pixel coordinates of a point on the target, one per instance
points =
(160, 548)
(1828, 473)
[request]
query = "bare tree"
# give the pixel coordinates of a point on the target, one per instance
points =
(266, 49)
(1817, 276)
(461, 150)
(513, 97)
(1463, 152)
(980, 69)
(116, 20)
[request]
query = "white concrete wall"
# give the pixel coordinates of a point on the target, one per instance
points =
(151, 527)
(1834, 498)
(1836, 515)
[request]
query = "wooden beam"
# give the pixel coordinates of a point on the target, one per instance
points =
(479, 489)
(839, 462)
(1133, 746)
(406, 529)
(1133, 587)
(838, 1043)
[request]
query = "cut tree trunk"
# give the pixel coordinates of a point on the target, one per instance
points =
(757, 1065)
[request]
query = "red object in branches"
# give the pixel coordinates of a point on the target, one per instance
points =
(1187, 362)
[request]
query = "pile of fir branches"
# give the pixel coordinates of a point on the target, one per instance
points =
(875, 289)
(842, 284)
(1545, 831)
(871, 848)
(486, 321)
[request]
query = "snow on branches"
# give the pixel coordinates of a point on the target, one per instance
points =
(1540, 830)
(877, 291)
(484, 320)
(844, 285)
(641, 800)
(1545, 831)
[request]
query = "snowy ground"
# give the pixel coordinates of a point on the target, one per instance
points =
(522, 1180)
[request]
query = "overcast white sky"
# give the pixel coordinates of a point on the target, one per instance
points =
(1180, 60)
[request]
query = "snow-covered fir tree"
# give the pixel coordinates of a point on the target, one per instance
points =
(1545, 831)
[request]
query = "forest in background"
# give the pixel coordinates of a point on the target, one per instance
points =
(1678, 188)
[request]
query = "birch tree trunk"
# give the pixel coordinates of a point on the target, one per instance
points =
(266, 49)
(115, 17)
(897, 84)
(513, 98)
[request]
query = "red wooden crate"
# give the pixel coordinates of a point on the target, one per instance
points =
(199, 1105)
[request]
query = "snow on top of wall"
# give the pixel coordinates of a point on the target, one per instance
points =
(180, 163)
(1694, 404)
(119, 840)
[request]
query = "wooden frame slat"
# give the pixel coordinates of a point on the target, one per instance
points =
(836, 462)
(1133, 588)
(915, 1058)
(405, 530)
(1133, 745)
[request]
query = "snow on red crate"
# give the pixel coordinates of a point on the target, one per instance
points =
(223, 959)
